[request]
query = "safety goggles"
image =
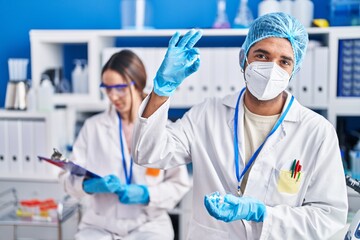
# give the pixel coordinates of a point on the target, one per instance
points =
(118, 89)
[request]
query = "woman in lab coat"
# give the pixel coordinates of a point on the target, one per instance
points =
(264, 166)
(130, 201)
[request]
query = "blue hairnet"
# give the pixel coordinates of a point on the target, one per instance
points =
(279, 25)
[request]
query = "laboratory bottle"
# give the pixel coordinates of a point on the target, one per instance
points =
(221, 20)
(31, 100)
(286, 6)
(268, 6)
(244, 16)
(76, 77)
(85, 81)
(355, 159)
(303, 10)
(45, 96)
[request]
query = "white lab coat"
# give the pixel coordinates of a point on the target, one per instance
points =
(204, 136)
(98, 149)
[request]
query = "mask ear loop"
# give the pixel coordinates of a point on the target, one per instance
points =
(241, 58)
(294, 73)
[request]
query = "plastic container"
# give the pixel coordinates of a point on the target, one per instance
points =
(344, 13)
(268, 6)
(18, 68)
(45, 96)
(355, 161)
(286, 6)
(77, 77)
(221, 20)
(136, 14)
(244, 16)
(303, 10)
(31, 100)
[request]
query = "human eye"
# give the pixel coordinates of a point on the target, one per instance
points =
(260, 56)
(120, 89)
(285, 62)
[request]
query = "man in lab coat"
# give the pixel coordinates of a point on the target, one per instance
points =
(264, 166)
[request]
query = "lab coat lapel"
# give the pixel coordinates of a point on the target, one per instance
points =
(230, 101)
(280, 134)
(111, 124)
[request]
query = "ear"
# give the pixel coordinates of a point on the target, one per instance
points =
(242, 58)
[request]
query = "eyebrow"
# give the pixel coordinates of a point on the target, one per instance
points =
(268, 53)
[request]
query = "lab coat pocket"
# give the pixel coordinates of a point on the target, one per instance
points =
(288, 183)
(199, 231)
(284, 189)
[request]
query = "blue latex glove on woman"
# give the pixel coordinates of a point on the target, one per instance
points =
(107, 184)
(133, 194)
(181, 60)
(235, 208)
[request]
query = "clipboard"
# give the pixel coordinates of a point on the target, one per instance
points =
(70, 167)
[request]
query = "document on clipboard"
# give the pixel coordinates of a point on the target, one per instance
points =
(68, 165)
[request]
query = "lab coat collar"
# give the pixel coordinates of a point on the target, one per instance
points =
(109, 117)
(292, 116)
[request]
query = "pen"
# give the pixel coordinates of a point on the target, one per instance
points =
(299, 172)
(296, 168)
(293, 168)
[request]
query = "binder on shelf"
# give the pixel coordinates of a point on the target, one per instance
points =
(320, 75)
(345, 65)
(293, 86)
(27, 147)
(205, 74)
(13, 138)
(235, 78)
(149, 57)
(190, 85)
(305, 80)
(40, 145)
(220, 76)
(4, 158)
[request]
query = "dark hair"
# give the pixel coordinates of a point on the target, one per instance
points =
(129, 66)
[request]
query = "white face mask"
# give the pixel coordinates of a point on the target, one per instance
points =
(266, 80)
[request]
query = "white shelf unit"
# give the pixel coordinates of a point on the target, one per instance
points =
(47, 52)
(340, 106)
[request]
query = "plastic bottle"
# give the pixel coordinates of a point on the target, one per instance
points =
(303, 10)
(85, 81)
(221, 20)
(268, 6)
(244, 16)
(355, 159)
(286, 6)
(31, 100)
(77, 77)
(45, 96)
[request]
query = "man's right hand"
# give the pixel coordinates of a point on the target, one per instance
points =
(181, 60)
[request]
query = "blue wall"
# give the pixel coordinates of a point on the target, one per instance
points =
(18, 17)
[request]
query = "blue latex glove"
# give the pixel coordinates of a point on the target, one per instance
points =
(235, 208)
(107, 184)
(133, 194)
(181, 60)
